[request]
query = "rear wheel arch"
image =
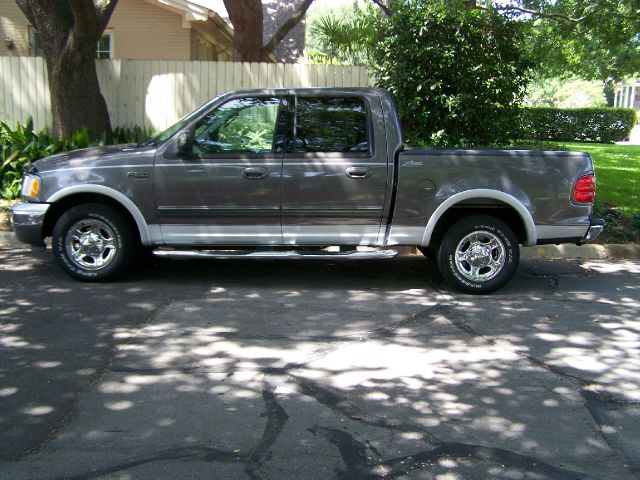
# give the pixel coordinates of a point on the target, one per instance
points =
(497, 204)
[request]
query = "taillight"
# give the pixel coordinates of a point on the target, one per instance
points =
(584, 190)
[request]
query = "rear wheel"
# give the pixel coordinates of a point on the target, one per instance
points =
(478, 254)
(93, 243)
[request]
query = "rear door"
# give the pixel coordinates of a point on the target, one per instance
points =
(334, 177)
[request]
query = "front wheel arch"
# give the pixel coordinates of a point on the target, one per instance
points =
(61, 206)
(92, 242)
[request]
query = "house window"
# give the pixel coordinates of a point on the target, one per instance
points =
(104, 48)
(34, 43)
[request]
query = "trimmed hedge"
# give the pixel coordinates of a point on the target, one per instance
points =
(602, 125)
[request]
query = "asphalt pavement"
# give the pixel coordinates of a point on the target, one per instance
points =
(318, 369)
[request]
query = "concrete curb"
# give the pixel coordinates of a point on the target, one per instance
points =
(585, 252)
(8, 239)
(590, 251)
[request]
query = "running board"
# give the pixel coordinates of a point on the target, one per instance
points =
(290, 254)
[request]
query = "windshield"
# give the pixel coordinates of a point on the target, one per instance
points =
(183, 122)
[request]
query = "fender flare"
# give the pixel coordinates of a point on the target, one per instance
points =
(525, 215)
(141, 223)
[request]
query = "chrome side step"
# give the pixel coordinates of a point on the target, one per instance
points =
(289, 254)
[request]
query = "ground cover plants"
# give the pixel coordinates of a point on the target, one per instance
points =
(21, 145)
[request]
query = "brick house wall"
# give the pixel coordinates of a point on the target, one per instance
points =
(275, 13)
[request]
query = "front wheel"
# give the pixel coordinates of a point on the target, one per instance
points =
(93, 243)
(478, 254)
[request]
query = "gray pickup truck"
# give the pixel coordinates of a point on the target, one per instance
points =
(289, 172)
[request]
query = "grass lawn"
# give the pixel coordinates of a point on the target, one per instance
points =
(617, 174)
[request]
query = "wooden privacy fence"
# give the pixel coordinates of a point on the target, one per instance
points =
(155, 93)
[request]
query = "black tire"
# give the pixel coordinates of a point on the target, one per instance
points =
(93, 243)
(478, 254)
(429, 252)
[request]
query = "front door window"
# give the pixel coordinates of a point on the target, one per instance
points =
(245, 125)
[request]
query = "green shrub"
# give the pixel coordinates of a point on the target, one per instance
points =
(131, 135)
(20, 146)
(457, 74)
(618, 227)
(603, 125)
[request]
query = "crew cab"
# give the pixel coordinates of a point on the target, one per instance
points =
(289, 172)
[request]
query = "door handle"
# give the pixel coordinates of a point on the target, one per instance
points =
(255, 173)
(358, 172)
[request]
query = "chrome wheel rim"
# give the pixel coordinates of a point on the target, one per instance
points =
(480, 256)
(90, 244)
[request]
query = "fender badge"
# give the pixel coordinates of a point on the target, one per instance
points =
(138, 175)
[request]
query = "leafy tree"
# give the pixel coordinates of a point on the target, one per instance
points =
(594, 39)
(248, 27)
(346, 34)
(565, 93)
(457, 74)
(541, 92)
(69, 31)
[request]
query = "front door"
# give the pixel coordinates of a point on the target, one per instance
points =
(228, 191)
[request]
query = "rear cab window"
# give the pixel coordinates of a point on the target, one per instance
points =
(332, 125)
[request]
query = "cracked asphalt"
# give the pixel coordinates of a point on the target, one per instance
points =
(314, 369)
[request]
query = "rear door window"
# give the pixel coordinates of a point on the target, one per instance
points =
(332, 124)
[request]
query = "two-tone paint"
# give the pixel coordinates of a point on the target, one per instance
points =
(391, 195)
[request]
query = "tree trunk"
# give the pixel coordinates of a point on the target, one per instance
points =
(76, 100)
(246, 18)
(69, 31)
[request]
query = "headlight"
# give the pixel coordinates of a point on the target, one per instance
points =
(31, 185)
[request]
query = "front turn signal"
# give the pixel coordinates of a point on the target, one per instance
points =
(31, 186)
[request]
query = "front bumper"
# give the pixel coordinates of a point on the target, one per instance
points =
(595, 229)
(28, 221)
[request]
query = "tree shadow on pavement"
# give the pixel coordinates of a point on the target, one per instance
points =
(313, 370)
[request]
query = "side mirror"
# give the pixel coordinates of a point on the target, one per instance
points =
(185, 142)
